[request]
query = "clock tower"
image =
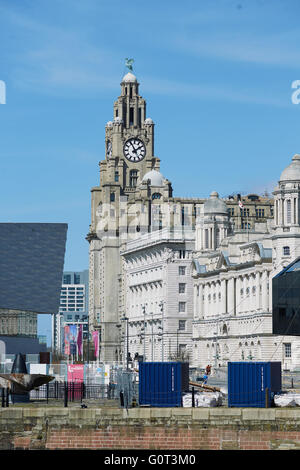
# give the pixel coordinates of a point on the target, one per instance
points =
(129, 178)
(129, 140)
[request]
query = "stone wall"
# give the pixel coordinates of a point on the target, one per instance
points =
(149, 428)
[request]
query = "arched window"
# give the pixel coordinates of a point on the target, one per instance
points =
(156, 196)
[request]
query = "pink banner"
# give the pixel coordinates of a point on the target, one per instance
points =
(75, 373)
(67, 340)
(79, 340)
(95, 335)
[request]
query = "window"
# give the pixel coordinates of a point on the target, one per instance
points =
(286, 250)
(181, 253)
(130, 114)
(260, 213)
(206, 238)
(182, 288)
(181, 325)
(67, 279)
(182, 270)
(156, 196)
(287, 350)
(116, 176)
(217, 237)
(288, 212)
(231, 211)
(133, 176)
(112, 197)
(181, 307)
(76, 278)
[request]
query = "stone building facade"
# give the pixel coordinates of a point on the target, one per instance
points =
(133, 200)
(233, 281)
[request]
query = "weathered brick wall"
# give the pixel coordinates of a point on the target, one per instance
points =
(155, 428)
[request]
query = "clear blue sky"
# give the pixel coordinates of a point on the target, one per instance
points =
(216, 75)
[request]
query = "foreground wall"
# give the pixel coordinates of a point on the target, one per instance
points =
(142, 428)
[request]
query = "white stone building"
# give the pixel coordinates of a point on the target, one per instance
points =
(233, 280)
(159, 295)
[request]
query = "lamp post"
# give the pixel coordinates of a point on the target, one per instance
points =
(127, 340)
(161, 305)
(151, 313)
(144, 313)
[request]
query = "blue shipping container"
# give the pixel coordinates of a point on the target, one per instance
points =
(253, 384)
(161, 383)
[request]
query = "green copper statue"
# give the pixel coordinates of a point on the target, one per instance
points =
(128, 63)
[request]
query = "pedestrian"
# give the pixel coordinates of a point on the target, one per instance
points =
(208, 369)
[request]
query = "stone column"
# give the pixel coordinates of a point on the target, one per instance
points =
(230, 293)
(223, 296)
(200, 301)
(264, 292)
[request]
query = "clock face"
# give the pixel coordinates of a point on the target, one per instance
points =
(134, 150)
(108, 148)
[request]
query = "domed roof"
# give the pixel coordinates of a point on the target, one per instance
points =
(129, 77)
(155, 177)
(215, 205)
(292, 171)
(148, 121)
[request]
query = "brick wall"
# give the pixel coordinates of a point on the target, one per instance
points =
(141, 428)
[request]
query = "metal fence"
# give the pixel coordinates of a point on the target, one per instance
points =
(73, 391)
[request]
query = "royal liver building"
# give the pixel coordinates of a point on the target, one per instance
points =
(142, 240)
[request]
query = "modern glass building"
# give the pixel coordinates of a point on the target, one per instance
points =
(31, 267)
(73, 308)
(286, 300)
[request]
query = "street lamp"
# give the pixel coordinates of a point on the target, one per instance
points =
(161, 306)
(127, 340)
(144, 329)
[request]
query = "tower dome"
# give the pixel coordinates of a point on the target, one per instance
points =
(148, 121)
(129, 78)
(292, 171)
(155, 177)
(214, 205)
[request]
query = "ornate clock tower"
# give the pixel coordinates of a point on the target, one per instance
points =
(129, 156)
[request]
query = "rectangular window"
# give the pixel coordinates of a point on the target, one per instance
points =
(116, 176)
(131, 116)
(286, 250)
(259, 213)
(181, 270)
(181, 288)
(206, 238)
(67, 279)
(181, 325)
(181, 307)
(133, 178)
(288, 212)
(287, 350)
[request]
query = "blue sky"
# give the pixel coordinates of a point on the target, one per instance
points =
(216, 75)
